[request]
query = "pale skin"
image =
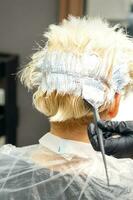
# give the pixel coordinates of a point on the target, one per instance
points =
(79, 133)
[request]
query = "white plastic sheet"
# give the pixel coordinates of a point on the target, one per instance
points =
(39, 173)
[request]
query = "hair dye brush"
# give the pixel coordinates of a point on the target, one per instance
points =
(89, 101)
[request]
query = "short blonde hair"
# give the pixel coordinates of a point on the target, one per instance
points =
(73, 35)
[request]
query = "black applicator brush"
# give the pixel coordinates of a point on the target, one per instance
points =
(99, 134)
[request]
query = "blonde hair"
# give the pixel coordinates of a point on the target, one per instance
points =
(73, 35)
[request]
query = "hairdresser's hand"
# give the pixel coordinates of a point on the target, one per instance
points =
(120, 147)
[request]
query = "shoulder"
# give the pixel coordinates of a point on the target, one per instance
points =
(11, 155)
(9, 148)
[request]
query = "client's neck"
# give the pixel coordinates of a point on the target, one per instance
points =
(71, 130)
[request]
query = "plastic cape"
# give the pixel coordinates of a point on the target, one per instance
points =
(75, 173)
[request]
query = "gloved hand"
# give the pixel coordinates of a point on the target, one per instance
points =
(120, 147)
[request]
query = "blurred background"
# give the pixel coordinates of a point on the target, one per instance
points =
(22, 24)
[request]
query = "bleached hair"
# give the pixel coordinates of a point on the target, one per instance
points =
(73, 35)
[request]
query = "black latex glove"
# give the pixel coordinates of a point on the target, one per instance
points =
(120, 147)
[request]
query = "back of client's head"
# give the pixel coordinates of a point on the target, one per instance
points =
(80, 54)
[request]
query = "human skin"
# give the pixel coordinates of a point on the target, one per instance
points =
(73, 130)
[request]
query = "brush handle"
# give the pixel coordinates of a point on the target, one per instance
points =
(99, 134)
(100, 140)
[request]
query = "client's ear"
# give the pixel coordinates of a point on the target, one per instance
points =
(113, 110)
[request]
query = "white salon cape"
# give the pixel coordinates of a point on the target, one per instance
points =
(60, 169)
